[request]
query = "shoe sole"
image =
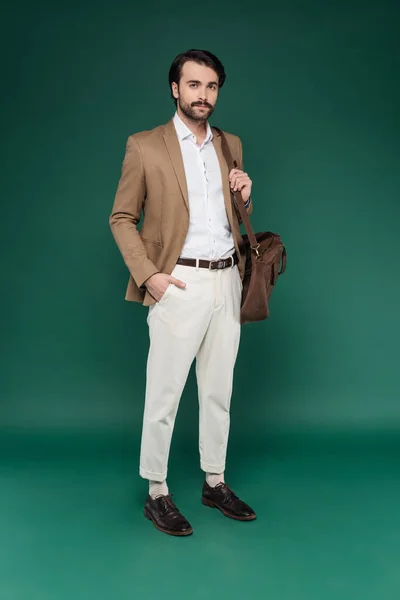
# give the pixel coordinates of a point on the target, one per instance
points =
(168, 531)
(212, 504)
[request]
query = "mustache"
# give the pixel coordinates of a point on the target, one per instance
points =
(202, 104)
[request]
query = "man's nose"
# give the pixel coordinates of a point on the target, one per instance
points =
(203, 97)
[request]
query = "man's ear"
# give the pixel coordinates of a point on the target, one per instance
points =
(175, 89)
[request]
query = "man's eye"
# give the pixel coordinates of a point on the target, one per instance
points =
(192, 85)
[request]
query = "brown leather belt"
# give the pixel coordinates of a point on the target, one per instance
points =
(221, 263)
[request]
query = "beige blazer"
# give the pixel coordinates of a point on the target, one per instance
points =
(153, 182)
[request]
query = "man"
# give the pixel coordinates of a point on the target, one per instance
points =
(185, 266)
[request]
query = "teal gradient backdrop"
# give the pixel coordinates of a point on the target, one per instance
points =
(313, 91)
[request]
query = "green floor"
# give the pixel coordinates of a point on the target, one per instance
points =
(72, 524)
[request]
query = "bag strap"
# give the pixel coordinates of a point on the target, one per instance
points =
(238, 195)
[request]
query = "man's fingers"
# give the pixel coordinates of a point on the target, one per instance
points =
(239, 176)
(234, 172)
(177, 282)
(240, 181)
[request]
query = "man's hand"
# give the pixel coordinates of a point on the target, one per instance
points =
(158, 283)
(240, 182)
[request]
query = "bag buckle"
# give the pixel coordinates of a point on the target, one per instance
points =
(255, 248)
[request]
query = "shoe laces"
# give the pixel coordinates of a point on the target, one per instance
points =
(226, 491)
(167, 504)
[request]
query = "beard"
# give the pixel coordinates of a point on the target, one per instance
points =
(191, 111)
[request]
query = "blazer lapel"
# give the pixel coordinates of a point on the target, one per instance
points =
(224, 174)
(175, 154)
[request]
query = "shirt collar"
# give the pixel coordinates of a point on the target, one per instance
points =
(184, 132)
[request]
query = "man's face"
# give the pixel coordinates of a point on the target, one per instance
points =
(197, 92)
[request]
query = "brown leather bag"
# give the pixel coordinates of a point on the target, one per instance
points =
(264, 253)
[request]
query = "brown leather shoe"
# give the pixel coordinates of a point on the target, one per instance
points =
(222, 497)
(165, 516)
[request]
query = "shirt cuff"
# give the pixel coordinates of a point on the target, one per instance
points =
(143, 287)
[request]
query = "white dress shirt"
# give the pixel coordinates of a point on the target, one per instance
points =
(209, 234)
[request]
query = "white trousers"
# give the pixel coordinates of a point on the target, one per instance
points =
(201, 321)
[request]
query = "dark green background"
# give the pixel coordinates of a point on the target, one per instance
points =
(313, 91)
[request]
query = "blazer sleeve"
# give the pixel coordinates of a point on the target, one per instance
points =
(126, 213)
(249, 207)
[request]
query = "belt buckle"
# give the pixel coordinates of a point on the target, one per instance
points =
(219, 261)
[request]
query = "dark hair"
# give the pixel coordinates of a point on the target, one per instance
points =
(202, 57)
